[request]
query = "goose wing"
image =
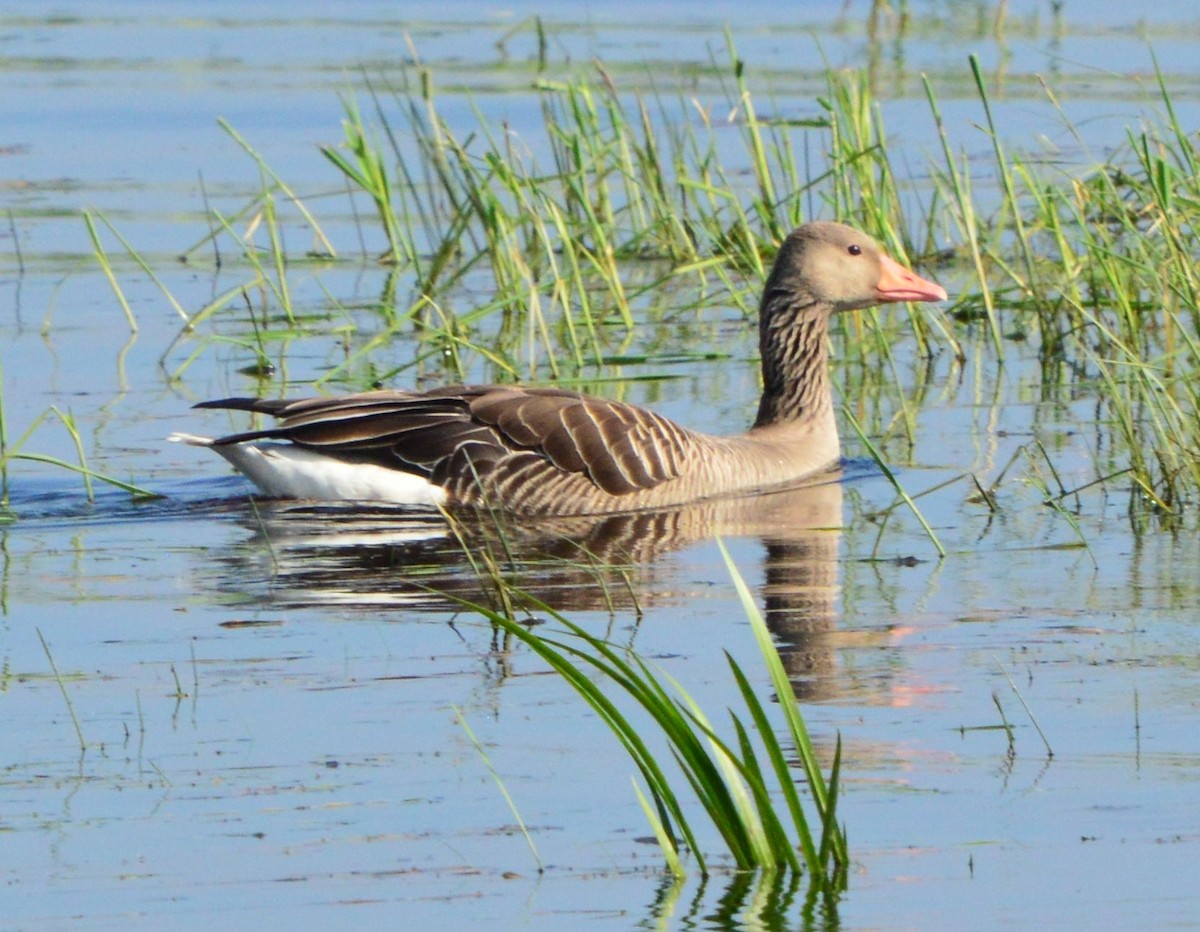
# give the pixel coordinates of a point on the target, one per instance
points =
(499, 435)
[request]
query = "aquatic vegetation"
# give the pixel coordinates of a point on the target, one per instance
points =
(1100, 267)
(751, 801)
(11, 450)
(63, 689)
(579, 230)
(483, 755)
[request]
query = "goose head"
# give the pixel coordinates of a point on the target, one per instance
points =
(836, 268)
(822, 269)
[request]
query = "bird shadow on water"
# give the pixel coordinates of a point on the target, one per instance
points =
(323, 556)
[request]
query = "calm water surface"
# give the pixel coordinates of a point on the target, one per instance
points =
(268, 696)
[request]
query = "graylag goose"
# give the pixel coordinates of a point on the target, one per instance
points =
(549, 451)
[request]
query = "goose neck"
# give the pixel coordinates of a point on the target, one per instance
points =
(795, 354)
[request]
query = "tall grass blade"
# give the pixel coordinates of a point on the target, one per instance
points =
(141, 262)
(106, 267)
(797, 730)
(63, 689)
(487, 761)
(891, 477)
(266, 169)
(665, 843)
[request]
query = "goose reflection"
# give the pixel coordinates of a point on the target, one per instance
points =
(304, 556)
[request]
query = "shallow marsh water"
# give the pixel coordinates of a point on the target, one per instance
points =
(268, 698)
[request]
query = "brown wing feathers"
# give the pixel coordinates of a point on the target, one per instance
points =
(615, 445)
(506, 436)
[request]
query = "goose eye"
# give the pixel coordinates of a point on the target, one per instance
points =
(854, 249)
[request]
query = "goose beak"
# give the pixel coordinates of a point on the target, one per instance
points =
(896, 283)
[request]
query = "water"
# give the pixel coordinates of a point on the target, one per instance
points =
(268, 698)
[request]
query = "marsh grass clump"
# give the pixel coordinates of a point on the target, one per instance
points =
(1134, 296)
(746, 786)
(618, 175)
(1099, 266)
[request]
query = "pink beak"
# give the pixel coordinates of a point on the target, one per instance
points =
(896, 283)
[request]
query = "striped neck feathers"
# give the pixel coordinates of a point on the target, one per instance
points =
(793, 331)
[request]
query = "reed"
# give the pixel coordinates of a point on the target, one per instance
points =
(106, 267)
(895, 483)
(1097, 266)
(366, 169)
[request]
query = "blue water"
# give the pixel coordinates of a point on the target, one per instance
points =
(267, 697)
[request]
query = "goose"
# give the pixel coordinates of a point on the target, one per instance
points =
(550, 451)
